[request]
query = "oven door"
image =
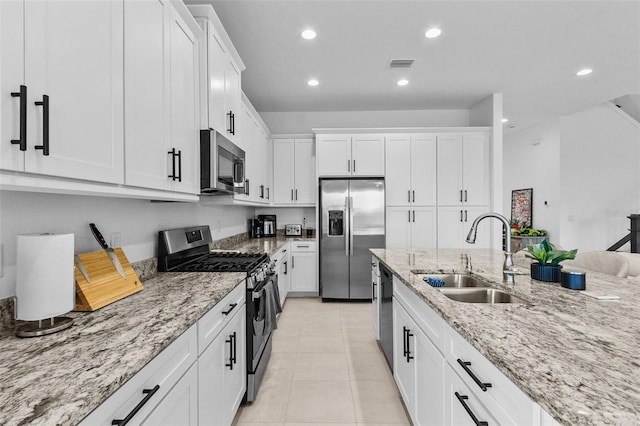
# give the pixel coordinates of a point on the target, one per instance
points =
(260, 319)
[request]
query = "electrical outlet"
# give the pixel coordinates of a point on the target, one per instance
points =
(115, 240)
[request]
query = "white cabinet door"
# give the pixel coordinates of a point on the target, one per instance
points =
(429, 380)
(221, 374)
(398, 170)
(476, 161)
(74, 56)
(398, 227)
(423, 227)
(146, 68)
(180, 406)
(367, 154)
(403, 349)
(283, 171)
(305, 171)
(213, 84)
(232, 98)
(423, 160)
(303, 272)
(11, 78)
(248, 144)
(450, 190)
(334, 155)
(450, 222)
(184, 106)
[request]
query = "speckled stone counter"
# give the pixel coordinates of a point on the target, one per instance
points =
(576, 356)
(61, 378)
(266, 245)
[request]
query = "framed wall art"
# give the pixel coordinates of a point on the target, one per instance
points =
(522, 207)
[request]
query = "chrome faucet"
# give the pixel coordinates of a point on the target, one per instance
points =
(508, 271)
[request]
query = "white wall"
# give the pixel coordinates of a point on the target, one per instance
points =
(303, 122)
(600, 175)
(137, 221)
(532, 160)
(585, 166)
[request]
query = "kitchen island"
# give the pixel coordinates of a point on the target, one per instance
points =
(574, 355)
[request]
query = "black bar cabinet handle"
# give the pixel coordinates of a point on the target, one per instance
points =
(461, 195)
(149, 394)
(286, 268)
(268, 193)
(462, 398)
(408, 196)
(173, 163)
(414, 195)
(45, 124)
(465, 195)
(408, 215)
(465, 364)
(235, 347)
(409, 336)
(348, 165)
(233, 123)
(465, 215)
(373, 290)
(460, 215)
(231, 306)
(414, 215)
(296, 195)
(292, 195)
(229, 114)
(22, 94)
(261, 191)
(179, 155)
(230, 342)
(246, 187)
(354, 166)
(404, 341)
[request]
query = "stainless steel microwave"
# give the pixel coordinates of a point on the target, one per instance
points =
(221, 165)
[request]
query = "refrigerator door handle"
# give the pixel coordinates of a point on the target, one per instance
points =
(347, 227)
(351, 224)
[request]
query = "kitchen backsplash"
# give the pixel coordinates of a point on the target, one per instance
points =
(7, 315)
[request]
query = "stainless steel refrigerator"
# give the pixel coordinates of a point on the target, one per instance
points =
(352, 222)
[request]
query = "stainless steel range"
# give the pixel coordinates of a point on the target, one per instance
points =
(187, 250)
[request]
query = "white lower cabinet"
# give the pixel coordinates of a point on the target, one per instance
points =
(281, 260)
(222, 374)
(418, 370)
(180, 406)
(443, 379)
(411, 227)
(303, 267)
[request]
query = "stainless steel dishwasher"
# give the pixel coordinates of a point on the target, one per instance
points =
(386, 313)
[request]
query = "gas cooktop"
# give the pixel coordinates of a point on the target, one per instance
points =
(224, 262)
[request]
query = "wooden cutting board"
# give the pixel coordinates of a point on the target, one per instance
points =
(106, 286)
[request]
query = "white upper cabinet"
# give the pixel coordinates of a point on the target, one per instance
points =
(161, 100)
(411, 170)
(294, 176)
(463, 169)
(220, 76)
(350, 155)
(70, 62)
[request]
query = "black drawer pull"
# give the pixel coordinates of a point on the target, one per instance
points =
(22, 94)
(231, 350)
(462, 398)
(465, 364)
(149, 393)
(231, 306)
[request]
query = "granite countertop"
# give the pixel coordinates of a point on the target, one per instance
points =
(574, 355)
(266, 245)
(61, 378)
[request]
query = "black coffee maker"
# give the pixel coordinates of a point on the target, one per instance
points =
(256, 228)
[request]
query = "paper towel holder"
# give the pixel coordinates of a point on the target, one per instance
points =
(42, 300)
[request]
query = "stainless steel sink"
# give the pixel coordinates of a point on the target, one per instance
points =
(480, 295)
(455, 280)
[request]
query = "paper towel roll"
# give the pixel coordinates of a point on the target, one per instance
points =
(45, 282)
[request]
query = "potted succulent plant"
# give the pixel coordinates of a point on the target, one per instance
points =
(548, 266)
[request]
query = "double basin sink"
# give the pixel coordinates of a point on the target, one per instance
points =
(467, 288)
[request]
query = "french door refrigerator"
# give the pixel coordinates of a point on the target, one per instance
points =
(352, 222)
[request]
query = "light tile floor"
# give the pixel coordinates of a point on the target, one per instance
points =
(325, 368)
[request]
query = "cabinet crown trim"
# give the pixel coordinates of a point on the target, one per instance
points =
(386, 130)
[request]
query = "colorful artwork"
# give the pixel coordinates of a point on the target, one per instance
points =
(522, 207)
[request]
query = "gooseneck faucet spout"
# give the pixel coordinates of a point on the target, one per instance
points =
(507, 271)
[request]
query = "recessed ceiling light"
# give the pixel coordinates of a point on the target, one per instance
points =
(308, 34)
(313, 82)
(584, 72)
(504, 120)
(433, 33)
(402, 82)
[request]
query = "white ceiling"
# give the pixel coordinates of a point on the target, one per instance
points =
(527, 50)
